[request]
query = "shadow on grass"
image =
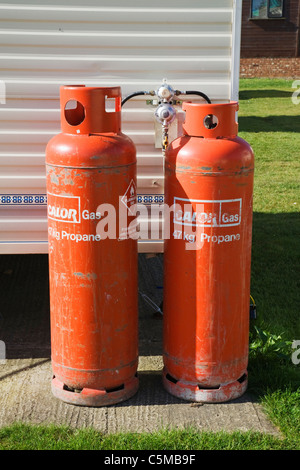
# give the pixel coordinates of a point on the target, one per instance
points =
(275, 286)
(266, 93)
(276, 269)
(269, 124)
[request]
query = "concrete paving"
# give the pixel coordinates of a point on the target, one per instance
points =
(25, 374)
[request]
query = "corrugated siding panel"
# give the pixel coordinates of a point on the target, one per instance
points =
(97, 43)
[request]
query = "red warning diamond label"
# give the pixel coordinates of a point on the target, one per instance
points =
(129, 198)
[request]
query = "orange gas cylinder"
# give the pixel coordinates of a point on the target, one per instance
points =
(91, 175)
(207, 258)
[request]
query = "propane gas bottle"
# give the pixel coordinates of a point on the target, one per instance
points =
(207, 256)
(91, 176)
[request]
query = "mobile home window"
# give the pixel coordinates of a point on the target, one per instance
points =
(262, 9)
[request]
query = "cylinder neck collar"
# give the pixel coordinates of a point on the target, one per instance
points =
(90, 110)
(210, 120)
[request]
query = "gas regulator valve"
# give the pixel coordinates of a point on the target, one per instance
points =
(165, 112)
(165, 92)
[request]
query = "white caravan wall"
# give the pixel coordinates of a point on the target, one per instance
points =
(132, 44)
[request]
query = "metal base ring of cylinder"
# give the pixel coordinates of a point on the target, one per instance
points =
(194, 392)
(92, 397)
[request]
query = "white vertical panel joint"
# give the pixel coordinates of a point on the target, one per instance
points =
(236, 48)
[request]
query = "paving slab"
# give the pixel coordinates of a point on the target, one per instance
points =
(25, 374)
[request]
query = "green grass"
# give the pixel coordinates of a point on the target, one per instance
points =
(270, 122)
(28, 437)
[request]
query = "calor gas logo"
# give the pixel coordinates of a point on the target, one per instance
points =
(207, 213)
(64, 208)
